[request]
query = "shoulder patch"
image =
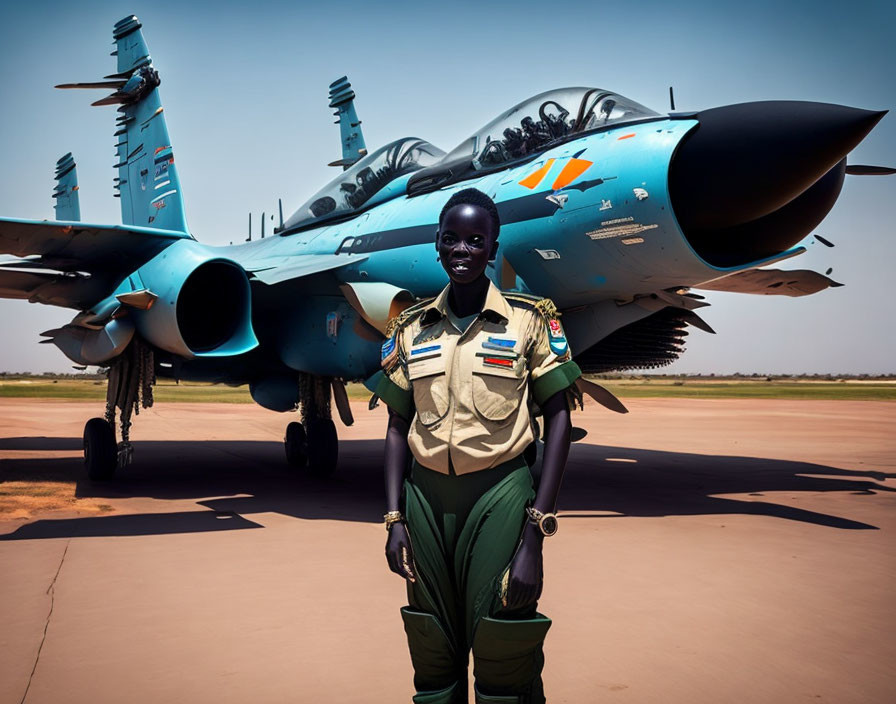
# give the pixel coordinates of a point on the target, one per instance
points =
(389, 355)
(557, 338)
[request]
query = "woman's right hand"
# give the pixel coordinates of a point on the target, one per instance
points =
(399, 554)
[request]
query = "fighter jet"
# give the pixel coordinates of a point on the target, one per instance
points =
(615, 211)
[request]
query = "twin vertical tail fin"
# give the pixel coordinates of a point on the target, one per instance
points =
(68, 206)
(342, 97)
(147, 180)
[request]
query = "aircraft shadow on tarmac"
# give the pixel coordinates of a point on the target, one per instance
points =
(252, 477)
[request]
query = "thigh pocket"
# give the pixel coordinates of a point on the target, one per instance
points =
(497, 391)
(431, 398)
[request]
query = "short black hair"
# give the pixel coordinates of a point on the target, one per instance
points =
(473, 196)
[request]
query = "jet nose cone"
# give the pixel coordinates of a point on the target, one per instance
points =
(745, 161)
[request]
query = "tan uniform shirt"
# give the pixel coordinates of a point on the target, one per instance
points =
(467, 393)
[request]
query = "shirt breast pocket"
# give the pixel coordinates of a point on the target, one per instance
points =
(498, 390)
(430, 388)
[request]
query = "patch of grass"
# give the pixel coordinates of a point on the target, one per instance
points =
(86, 390)
(167, 391)
(818, 391)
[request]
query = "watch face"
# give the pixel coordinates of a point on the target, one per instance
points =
(549, 525)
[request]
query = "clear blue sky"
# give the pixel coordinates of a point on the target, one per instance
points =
(245, 93)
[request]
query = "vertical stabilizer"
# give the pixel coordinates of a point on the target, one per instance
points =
(342, 97)
(147, 180)
(67, 206)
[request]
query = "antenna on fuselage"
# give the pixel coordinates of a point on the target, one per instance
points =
(249, 238)
(280, 206)
(262, 226)
(671, 99)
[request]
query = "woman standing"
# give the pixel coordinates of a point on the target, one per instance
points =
(466, 526)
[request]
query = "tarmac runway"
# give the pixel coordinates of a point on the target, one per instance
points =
(709, 551)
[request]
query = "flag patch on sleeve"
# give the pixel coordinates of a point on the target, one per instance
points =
(554, 327)
(389, 353)
(556, 338)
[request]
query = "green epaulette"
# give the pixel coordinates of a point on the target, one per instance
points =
(545, 306)
(406, 316)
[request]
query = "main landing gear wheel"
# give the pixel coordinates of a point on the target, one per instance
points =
(100, 449)
(323, 446)
(296, 443)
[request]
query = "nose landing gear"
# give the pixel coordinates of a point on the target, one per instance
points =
(313, 444)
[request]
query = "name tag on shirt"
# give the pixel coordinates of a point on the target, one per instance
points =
(498, 343)
(418, 354)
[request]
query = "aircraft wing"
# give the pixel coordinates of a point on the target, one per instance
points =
(73, 264)
(777, 282)
(274, 270)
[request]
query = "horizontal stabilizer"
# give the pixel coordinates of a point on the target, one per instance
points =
(863, 170)
(279, 269)
(52, 288)
(59, 254)
(772, 282)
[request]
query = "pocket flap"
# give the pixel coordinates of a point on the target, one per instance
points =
(426, 365)
(498, 365)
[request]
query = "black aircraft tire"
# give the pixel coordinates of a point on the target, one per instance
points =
(296, 444)
(100, 450)
(323, 447)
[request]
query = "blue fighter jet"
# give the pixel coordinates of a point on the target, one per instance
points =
(614, 211)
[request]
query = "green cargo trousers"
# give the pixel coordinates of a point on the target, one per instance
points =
(464, 531)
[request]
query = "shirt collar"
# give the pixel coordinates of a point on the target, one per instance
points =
(496, 306)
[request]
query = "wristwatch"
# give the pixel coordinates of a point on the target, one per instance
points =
(392, 517)
(546, 522)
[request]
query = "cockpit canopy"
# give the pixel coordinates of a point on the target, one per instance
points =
(528, 128)
(377, 173)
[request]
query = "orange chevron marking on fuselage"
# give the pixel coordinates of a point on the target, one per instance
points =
(533, 179)
(573, 169)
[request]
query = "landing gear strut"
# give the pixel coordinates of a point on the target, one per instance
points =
(131, 376)
(313, 444)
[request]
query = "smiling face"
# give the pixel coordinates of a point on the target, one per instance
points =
(466, 242)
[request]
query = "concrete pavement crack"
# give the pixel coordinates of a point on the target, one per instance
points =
(51, 590)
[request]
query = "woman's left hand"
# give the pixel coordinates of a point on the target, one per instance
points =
(526, 571)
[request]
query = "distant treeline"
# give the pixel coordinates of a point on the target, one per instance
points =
(756, 376)
(49, 376)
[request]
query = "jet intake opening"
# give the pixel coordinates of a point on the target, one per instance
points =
(211, 304)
